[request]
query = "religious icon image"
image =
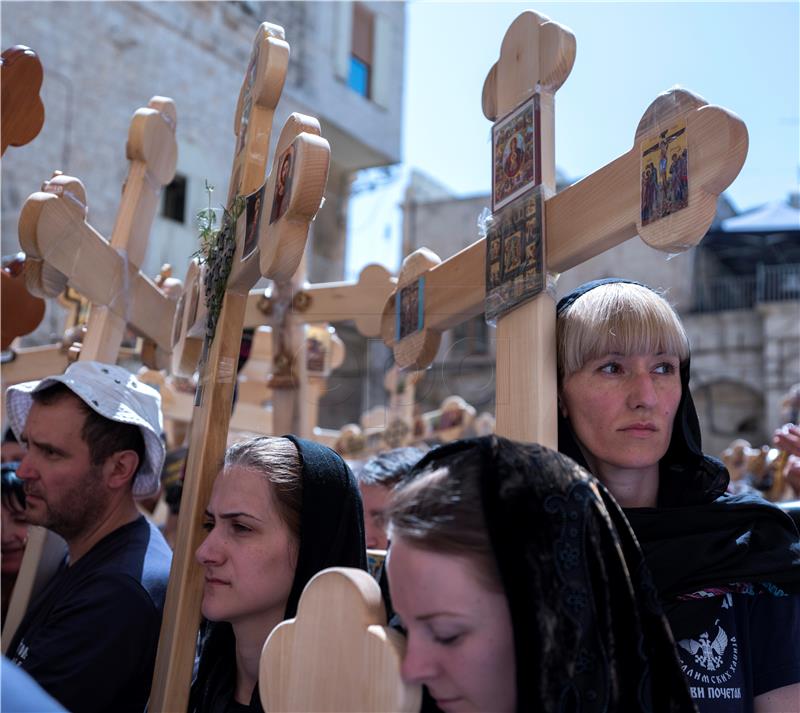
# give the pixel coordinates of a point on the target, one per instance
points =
(409, 309)
(664, 174)
(283, 184)
(514, 153)
(253, 207)
(517, 275)
(318, 343)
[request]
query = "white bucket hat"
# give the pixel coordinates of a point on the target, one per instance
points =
(112, 392)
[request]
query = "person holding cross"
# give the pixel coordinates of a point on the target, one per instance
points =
(93, 444)
(727, 568)
(521, 587)
(281, 510)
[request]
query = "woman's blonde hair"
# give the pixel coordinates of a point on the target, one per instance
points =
(617, 317)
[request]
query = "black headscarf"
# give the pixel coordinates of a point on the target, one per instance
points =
(588, 631)
(714, 539)
(331, 535)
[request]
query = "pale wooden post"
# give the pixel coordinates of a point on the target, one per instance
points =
(591, 216)
(288, 381)
(272, 246)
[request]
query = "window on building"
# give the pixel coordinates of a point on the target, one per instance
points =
(359, 77)
(174, 203)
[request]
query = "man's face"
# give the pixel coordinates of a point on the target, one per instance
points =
(64, 492)
(375, 498)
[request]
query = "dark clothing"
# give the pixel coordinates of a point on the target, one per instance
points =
(90, 637)
(748, 646)
(331, 535)
(589, 634)
(699, 538)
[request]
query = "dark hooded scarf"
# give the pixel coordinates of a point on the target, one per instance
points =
(715, 539)
(331, 535)
(588, 631)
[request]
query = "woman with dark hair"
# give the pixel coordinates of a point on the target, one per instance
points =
(727, 568)
(522, 588)
(281, 510)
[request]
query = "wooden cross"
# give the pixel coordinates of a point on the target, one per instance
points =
(252, 412)
(301, 304)
(63, 249)
(22, 109)
(268, 239)
(591, 216)
(346, 662)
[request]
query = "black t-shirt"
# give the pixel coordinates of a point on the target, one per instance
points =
(90, 638)
(749, 647)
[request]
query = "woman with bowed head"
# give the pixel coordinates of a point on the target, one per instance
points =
(281, 510)
(522, 588)
(727, 568)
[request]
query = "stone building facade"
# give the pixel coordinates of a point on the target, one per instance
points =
(104, 60)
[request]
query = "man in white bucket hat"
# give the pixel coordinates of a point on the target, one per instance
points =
(93, 445)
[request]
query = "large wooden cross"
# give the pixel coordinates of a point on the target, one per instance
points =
(63, 249)
(591, 216)
(268, 239)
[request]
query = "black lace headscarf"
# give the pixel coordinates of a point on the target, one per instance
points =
(588, 631)
(331, 535)
(715, 539)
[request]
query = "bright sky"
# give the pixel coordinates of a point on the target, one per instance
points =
(744, 56)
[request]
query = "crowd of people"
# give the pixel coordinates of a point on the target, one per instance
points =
(615, 574)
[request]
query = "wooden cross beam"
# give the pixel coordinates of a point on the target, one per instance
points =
(252, 412)
(267, 239)
(593, 215)
(288, 307)
(64, 249)
(301, 304)
(22, 109)
(361, 301)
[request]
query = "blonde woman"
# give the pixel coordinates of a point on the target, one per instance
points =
(727, 568)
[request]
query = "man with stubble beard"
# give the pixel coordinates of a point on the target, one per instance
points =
(93, 445)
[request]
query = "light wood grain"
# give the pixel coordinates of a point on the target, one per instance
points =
(337, 654)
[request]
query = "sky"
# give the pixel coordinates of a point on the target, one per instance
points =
(744, 56)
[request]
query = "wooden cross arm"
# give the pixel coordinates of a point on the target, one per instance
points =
(346, 662)
(282, 243)
(153, 154)
(361, 301)
(54, 231)
(542, 48)
(603, 209)
(258, 96)
(595, 214)
(22, 108)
